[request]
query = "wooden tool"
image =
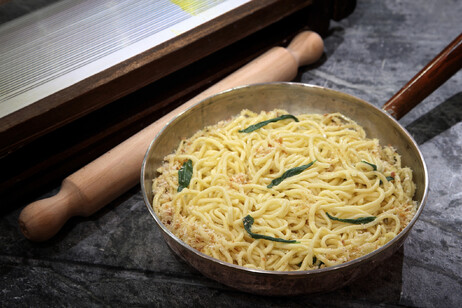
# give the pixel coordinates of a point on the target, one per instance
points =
(92, 187)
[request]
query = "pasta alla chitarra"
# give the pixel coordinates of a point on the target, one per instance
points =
(280, 192)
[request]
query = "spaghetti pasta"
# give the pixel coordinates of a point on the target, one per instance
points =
(296, 193)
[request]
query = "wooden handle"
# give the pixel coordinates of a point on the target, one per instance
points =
(433, 75)
(90, 188)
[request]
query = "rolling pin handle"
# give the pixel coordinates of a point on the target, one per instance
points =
(306, 47)
(42, 219)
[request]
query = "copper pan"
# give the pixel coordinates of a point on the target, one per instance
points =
(299, 98)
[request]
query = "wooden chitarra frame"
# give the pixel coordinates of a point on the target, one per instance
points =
(69, 128)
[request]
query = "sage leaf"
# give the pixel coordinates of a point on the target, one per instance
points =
(357, 221)
(248, 222)
(315, 260)
(389, 178)
(374, 167)
(184, 175)
(254, 127)
(289, 173)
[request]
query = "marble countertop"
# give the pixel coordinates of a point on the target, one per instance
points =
(117, 256)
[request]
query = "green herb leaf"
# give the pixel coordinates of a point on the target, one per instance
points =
(389, 178)
(357, 221)
(372, 165)
(251, 128)
(248, 222)
(316, 260)
(185, 174)
(289, 173)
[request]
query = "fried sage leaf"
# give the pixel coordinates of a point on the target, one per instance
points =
(184, 175)
(357, 221)
(289, 173)
(315, 260)
(374, 167)
(248, 222)
(251, 128)
(389, 178)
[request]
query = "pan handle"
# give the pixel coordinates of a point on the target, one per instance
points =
(433, 75)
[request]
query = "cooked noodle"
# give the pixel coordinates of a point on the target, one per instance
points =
(231, 174)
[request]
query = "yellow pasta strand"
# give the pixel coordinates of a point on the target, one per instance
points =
(231, 172)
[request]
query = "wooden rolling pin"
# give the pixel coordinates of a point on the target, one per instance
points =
(101, 181)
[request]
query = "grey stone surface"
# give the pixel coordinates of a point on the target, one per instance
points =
(117, 257)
